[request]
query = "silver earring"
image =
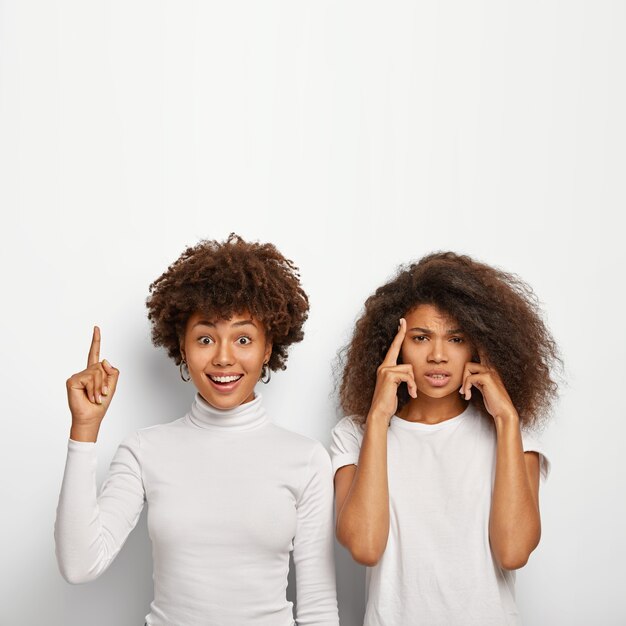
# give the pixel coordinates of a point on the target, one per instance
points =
(182, 373)
(266, 374)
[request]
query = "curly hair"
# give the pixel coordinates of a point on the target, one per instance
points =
(497, 311)
(224, 278)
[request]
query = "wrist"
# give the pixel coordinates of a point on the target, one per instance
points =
(377, 424)
(376, 417)
(81, 432)
(507, 420)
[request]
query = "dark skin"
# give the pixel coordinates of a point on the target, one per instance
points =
(237, 347)
(440, 375)
(89, 393)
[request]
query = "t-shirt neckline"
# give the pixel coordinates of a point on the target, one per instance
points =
(421, 426)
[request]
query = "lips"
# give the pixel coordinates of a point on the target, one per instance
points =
(225, 379)
(224, 382)
(437, 378)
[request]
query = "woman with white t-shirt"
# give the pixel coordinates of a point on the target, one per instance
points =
(229, 494)
(436, 473)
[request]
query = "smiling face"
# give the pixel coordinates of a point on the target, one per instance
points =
(225, 357)
(438, 351)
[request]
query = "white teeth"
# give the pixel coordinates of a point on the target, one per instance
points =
(225, 379)
(437, 376)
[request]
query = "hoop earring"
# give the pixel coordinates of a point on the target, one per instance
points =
(182, 374)
(266, 374)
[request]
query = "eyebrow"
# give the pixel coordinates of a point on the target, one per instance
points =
(244, 323)
(427, 331)
(236, 324)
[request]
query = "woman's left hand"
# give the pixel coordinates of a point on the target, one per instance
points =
(488, 382)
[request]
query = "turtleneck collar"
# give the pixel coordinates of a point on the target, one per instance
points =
(243, 417)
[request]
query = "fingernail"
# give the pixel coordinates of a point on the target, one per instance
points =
(105, 362)
(99, 399)
(105, 391)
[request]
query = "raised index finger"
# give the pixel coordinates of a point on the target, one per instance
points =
(391, 358)
(94, 349)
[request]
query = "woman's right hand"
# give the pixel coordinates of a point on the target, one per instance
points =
(389, 376)
(89, 393)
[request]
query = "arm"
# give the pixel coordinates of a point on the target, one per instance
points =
(313, 557)
(362, 498)
(514, 521)
(362, 492)
(90, 530)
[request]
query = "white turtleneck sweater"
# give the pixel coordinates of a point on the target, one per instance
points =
(229, 495)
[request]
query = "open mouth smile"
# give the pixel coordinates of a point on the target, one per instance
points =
(225, 379)
(224, 382)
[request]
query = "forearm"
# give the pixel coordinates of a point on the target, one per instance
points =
(514, 525)
(90, 530)
(363, 521)
(77, 531)
(313, 547)
(316, 590)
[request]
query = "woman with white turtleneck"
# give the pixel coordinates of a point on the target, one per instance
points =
(229, 494)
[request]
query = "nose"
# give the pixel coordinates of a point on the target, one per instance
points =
(223, 355)
(437, 352)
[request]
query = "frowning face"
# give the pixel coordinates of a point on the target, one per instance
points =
(225, 357)
(437, 349)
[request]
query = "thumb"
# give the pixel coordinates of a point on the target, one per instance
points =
(112, 376)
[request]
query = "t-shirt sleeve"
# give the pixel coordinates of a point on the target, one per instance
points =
(532, 444)
(90, 529)
(345, 444)
(313, 545)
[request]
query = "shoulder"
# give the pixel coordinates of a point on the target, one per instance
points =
(308, 455)
(347, 434)
(532, 443)
(350, 426)
(345, 446)
(154, 434)
(303, 446)
(166, 427)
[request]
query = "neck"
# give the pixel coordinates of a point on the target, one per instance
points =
(246, 416)
(433, 410)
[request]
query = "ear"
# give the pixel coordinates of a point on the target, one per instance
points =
(268, 351)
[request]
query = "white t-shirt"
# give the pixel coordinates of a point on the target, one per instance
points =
(437, 568)
(229, 496)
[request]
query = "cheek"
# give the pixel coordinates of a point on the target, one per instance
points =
(253, 360)
(194, 361)
(466, 353)
(412, 352)
(460, 358)
(190, 352)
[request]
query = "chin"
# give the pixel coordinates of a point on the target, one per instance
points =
(440, 393)
(222, 402)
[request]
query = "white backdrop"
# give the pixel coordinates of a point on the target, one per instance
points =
(355, 136)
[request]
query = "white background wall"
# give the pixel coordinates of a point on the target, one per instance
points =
(354, 135)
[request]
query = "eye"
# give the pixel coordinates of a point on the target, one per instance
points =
(419, 338)
(457, 340)
(244, 341)
(205, 340)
